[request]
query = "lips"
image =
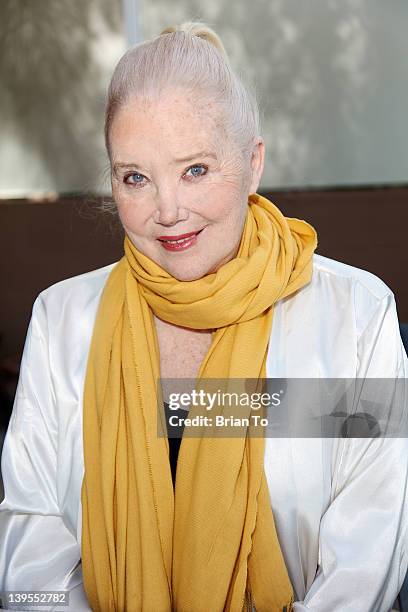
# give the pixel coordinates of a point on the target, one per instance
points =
(181, 242)
(179, 237)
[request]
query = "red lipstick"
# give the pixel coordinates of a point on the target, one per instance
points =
(179, 237)
(181, 242)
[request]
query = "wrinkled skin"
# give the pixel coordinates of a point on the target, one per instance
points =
(157, 194)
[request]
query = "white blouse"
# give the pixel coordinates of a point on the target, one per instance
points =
(340, 505)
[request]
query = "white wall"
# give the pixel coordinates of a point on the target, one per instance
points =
(56, 58)
(331, 75)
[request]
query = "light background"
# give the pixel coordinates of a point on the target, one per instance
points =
(331, 77)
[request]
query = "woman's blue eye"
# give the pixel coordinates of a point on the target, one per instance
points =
(197, 170)
(134, 178)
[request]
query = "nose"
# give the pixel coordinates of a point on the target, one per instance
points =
(168, 211)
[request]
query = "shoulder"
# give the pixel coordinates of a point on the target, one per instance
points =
(73, 300)
(338, 285)
(77, 291)
(330, 326)
(62, 319)
(339, 272)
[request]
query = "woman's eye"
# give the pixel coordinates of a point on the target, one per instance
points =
(197, 170)
(134, 179)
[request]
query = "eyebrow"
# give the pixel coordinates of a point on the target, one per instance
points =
(199, 154)
(123, 165)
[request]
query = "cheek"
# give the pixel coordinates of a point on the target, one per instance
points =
(227, 195)
(224, 193)
(225, 202)
(130, 217)
(132, 212)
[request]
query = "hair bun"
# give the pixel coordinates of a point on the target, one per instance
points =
(196, 28)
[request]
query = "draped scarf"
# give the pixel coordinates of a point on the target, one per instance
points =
(209, 544)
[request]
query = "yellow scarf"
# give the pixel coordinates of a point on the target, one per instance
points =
(146, 547)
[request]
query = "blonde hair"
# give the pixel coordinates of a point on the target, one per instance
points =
(191, 56)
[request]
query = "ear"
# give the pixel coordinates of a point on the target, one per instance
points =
(257, 165)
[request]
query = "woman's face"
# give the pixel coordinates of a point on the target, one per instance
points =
(176, 178)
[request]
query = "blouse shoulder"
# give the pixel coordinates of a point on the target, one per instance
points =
(368, 281)
(337, 284)
(78, 290)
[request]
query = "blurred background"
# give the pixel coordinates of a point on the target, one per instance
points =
(332, 80)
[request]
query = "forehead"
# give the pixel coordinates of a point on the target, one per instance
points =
(175, 121)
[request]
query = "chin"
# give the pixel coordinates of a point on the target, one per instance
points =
(187, 275)
(193, 270)
(188, 272)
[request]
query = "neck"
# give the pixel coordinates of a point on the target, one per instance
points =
(162, 325)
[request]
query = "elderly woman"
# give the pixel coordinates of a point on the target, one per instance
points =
(214, 283)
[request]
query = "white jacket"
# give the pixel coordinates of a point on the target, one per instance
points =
(340, 505)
